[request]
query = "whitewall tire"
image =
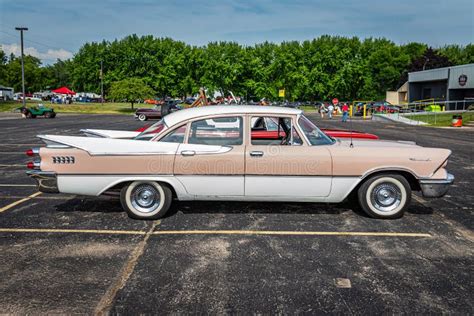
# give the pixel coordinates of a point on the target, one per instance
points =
(146, 199)
(142, 117)
(385, 196)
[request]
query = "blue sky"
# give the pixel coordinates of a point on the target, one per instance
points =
(59, 27)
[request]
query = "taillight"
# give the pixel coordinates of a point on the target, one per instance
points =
(33, 164)
(32, 152)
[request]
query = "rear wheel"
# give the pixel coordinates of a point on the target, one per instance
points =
(142, 117)
(146, 199)
(385, 196)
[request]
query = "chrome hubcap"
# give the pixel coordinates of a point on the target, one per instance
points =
(145, 198)
(386, 197)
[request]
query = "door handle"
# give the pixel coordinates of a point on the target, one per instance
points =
(188, 153)
(256, 153)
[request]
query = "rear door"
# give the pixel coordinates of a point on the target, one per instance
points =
(210, 163)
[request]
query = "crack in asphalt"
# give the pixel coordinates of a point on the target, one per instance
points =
(106, 302)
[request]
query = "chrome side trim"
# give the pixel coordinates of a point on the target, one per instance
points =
(47, 181)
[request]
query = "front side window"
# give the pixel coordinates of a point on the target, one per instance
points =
(315, 135)
(274, 131)
(175, 136)
(220, 131)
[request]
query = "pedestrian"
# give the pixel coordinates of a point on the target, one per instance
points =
(322, 109)
(330, 110)
(345, 112)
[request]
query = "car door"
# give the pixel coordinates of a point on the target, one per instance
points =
(286, 166)
(210, 163)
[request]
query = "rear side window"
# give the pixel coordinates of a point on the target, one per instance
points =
(175, 136)
(217, 131)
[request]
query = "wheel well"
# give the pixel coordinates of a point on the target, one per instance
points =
(114, 190)
(414, 184)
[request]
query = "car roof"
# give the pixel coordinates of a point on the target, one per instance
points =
(186, 114)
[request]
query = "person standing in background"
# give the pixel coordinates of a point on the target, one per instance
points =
(322, 109)
(345, 112)
(330, 111)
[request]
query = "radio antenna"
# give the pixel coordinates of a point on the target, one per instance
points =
(350, 126)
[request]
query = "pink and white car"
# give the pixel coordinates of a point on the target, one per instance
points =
(211, 153)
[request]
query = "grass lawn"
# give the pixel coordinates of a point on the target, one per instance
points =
(308, 108)
(440, 118)
(93, 108)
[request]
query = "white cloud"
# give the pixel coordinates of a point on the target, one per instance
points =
(49, 56)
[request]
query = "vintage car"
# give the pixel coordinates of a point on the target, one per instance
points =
(209, 153)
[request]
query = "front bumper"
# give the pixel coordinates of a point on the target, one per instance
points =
(433, 188)
(47, 181)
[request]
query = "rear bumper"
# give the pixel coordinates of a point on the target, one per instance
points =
(433, 188)
(46, 181)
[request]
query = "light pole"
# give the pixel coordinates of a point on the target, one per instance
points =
(101, 82)
(21, 29)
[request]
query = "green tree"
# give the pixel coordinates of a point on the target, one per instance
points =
(130, 90)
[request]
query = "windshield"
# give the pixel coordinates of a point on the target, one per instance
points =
(314, 135)
(151, 131)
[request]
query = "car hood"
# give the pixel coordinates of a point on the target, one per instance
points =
(340, 133)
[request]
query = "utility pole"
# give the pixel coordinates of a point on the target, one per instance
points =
(101, 82)
(21, 29)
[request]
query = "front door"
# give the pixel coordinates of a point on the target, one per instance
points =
(210, 163)
(280, 164)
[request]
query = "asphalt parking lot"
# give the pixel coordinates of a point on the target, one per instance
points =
(72, 254)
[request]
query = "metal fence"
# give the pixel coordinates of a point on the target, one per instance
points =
(432, 105)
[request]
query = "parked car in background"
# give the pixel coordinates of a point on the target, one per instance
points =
(158, 111)
(35, 111)
(144, 114)
(210, 153)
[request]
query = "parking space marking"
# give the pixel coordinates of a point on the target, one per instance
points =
(9, 206)
(213, 232)
(14, 144)
(38, 197)
(72, 231)
(14, 165)
(287, 233)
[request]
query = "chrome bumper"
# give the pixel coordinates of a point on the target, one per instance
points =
(46, 181)
(433, 188)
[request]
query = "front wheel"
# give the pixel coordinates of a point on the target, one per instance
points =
(146, 199)
(142, 117)
(385, 196)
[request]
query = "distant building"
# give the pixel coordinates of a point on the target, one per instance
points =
(6, 93)
(443, 84)
(399, 97)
